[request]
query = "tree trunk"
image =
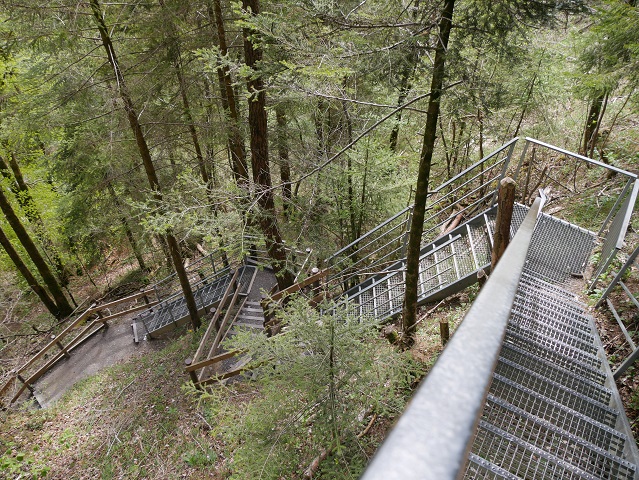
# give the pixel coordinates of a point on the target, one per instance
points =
(175, 56)
(259, 156)
(146, 158)
(229, 103)
(421, 191)
(127, 228)
(62, 304)
(28, 276)
(592, 120)
(282, 153)
(21, 191)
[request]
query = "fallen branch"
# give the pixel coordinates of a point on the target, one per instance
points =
(315, 464)
(368, 427)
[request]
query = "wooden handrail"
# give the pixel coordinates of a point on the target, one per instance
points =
(52, 361)
(298, 286)
(126, 312)
(79, 338)
(216, 316)
(58, 338)
(135, 296)
(212, 360)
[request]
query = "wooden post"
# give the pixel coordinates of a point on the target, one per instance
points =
(25, 382)
(100, 316)
(192, 374)
(444, 332)
(145, 297)
(505, 204)
(61, 347)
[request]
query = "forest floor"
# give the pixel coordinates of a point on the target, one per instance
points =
(133, 415)
(120, 410)
(137, 418)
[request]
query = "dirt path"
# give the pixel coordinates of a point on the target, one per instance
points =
(105, 348)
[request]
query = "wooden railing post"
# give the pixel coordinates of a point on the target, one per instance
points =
(192, 374)
(505, 204)
(19, 377)
(145, 297)
(61, 347)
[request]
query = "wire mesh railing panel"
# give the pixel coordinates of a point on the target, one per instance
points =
(565, 418)
(556, 392)
(554, 372)
(465, 261)
(560, 444)
(482, 246)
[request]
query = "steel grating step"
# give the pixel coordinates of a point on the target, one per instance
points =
(533, 328)
(538, 305)
(545, 347)
(558, 325)
(564, 418)
(562, 445)
(480, 469)
(558, 249)
(561, 358)
(550, 370)
(525, 460)
(557, 392)
(532, 282)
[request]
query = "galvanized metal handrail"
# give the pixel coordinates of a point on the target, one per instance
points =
(613, 241)
(617, 280)
(434, 435)
(581, 157)
(442, 199)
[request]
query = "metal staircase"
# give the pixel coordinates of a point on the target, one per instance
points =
(446, 266)
(172, 311)
(524, 389)
(552, 410)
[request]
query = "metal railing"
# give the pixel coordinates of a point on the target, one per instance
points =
(605, 297)
(464, 195)
(613, 241)
(432, 438)
(530, 176)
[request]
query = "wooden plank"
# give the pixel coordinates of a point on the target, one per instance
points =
(126, 312)
(211, 361)
(217, 314)
(60, 336)
(135, 296)
(298, 286)
(221, 333)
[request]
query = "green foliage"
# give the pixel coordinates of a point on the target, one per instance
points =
(20, 465)
(317, 384)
